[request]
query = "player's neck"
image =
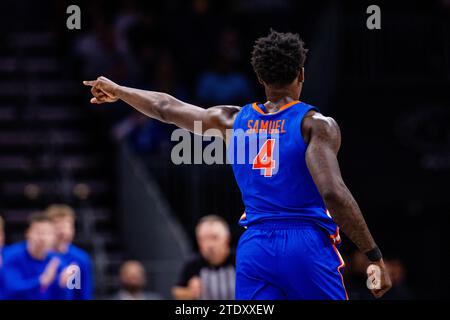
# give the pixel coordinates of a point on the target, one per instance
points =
(277, 97)
(275, 102)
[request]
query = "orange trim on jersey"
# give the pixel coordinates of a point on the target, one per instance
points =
(336, 236)
(332, 236)
(257, 108)
(339, 269)
(290, 104)
(287, 105)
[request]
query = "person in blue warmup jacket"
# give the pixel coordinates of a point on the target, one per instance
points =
(31, 270)
(2, 242)
(63, 218)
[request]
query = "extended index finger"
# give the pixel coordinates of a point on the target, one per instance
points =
(89, 82)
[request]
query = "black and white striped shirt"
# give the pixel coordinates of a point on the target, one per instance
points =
(218, 282)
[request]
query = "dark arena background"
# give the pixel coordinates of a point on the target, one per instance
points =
(388, 88)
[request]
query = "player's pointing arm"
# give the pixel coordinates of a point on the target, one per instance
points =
(324, 139)
(164, 107)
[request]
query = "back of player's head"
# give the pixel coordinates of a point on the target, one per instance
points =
(278, 58)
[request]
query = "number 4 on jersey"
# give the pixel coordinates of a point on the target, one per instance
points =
(263, 159)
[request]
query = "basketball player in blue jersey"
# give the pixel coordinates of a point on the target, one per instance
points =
(292, 189)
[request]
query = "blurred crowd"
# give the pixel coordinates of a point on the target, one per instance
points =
(143, 50)
(48, 266)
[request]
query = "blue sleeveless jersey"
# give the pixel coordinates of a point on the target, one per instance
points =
(274, 180)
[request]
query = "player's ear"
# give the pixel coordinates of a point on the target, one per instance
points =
(301, 75)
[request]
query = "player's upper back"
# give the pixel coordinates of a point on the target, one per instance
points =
(273, 176)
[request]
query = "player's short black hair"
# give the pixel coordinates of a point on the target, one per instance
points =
(278, 57)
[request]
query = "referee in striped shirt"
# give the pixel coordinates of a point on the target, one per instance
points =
(209, 275)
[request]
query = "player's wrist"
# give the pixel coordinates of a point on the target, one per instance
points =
(374, 255)
(117, 91)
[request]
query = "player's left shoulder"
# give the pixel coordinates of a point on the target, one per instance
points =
(316, 123)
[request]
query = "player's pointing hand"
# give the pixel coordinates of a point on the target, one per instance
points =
(103, 90)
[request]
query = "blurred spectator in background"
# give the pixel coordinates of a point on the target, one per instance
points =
(98, 49)
(399, 290)
(2, 236)
(146, 135)
(210, 275)
(31, 271)
(2, 243)
(143, 38)
(63, 218)
(128, 16)
(225, 83)
(133, 282)
(103, 49)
